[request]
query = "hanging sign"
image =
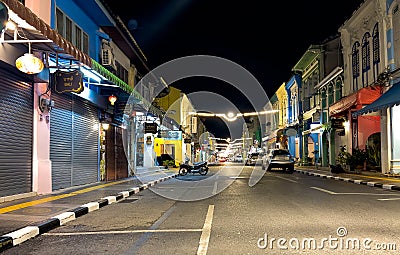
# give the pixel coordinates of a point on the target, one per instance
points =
(68, 81)
(150, 127)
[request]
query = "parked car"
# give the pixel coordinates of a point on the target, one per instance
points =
(278, 159)
(238, 158)
(222, 159)
(253, 159)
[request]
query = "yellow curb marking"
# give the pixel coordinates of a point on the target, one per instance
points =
(48, 199)
(378, 178)
(364, 176)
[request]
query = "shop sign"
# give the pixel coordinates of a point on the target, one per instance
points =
(337, 123)
(174, 135)
(68, 81)
(150, 127)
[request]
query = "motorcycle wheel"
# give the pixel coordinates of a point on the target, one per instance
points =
(183, 171)
(203, 170)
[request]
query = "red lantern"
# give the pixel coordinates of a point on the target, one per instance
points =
(112, 99)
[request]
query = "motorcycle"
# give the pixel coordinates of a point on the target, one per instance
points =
(198, 167)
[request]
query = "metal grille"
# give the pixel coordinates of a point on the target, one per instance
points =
(16, 111)
(74, 137)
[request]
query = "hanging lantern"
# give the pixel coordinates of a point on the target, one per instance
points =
(112, 99)
(29, 64)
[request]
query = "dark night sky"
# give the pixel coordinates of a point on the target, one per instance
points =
(265, 37)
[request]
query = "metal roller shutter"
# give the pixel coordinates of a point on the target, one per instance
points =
(61, 141)
(85, 143)
(74, 141)
(16, 109)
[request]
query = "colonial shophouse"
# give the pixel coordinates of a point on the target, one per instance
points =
(77, 72)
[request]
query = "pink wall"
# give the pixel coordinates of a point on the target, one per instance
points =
(40, 8)
(367, 125)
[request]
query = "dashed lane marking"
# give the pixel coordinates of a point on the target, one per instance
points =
(205, 234)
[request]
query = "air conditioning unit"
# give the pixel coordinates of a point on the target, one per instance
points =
(107, 58)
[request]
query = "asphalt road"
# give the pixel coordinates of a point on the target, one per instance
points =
(281, 214)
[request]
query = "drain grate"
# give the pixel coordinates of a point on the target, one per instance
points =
(129, 200)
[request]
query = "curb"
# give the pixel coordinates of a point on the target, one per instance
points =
(21, 235)
(362, 182)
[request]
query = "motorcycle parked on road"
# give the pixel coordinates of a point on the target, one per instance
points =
(198, 167)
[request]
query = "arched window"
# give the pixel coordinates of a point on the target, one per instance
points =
(324, 104)
(330, 93)
(355, 64)
(375, 51)
(338, 88)
(366, 58)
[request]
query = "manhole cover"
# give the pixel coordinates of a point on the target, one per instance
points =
(129, 200)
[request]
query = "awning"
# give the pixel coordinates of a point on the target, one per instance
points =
(41, 30)
(388, 99)
(362, 97)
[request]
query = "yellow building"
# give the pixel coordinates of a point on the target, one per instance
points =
(172, 142)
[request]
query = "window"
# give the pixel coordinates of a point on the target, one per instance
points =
(85, 43)
(60, 22)
(376, 51)
(366, 58)
(396, 35)
(330, 94)
(68, 29)
(338, 88)
(355, 64)
(323, 99)
(121, 72)
(78, 37)
(72, 32)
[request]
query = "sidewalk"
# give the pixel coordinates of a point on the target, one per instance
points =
(369, 178)
(28, 217)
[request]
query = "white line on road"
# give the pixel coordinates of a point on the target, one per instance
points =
(205, 235)
(286, 179)
(124, 232)
(388, 199)
(215, 188)
(353, 193)
(324, 190)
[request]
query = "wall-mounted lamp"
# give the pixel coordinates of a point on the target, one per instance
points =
(45, 104)
(105, 126)
(346, 124)
(112, 99)
(28, 63)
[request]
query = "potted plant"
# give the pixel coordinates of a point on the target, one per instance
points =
(357, 160)
(344, 157)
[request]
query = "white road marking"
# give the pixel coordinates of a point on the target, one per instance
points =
(324, 190)
(123, 232)
(388, 199)
(215, 188)
(205, 235)
(286, 179)
(353, 193)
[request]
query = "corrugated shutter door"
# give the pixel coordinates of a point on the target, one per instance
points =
(16, 111)
(86, 143)
(61, 141)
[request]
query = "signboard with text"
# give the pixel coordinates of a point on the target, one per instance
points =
(68, 81)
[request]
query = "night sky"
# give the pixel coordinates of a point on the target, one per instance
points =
(264, 37)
